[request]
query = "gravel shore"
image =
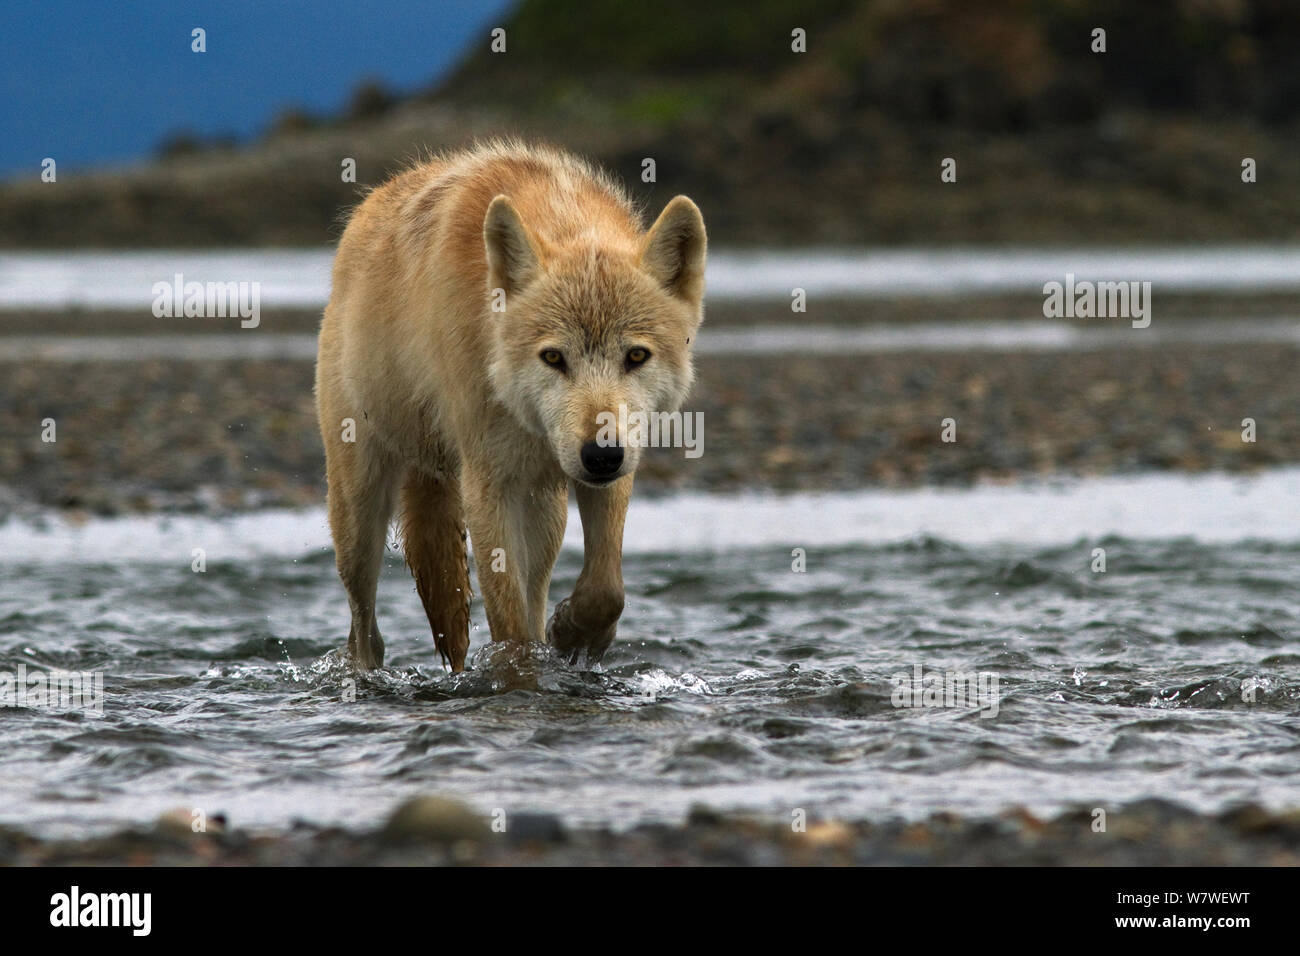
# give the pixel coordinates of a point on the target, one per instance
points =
(229, 435)
(436, 831)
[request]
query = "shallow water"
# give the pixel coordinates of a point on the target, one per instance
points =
(735, 681)
(124, 279)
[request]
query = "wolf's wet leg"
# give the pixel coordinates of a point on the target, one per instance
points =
(365, 646)
(499, 556)
(360, 503)
(586, 621)
(434, 539)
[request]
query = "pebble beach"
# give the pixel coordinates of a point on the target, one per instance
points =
(233, 435)
(433, 831)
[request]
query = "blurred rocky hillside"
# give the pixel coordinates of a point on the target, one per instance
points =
(839, 144)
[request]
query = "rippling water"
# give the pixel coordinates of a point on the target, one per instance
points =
(735, 681)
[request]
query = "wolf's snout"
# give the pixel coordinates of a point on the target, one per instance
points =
(601, 461)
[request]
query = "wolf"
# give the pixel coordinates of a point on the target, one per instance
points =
(486, 307)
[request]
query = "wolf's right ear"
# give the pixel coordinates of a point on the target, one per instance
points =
(674, 250)
(511, 255)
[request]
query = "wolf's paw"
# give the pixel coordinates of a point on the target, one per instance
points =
(559, 629)
(366, 655)
(571, 640)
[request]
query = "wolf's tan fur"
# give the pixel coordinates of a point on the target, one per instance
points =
(460, 421)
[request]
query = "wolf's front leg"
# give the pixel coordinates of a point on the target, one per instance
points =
(498, 555)
(586, 621)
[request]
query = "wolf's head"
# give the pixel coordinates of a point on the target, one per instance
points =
(592, 325)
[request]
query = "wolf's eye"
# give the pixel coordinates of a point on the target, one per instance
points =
(553, 357)
(637, 356)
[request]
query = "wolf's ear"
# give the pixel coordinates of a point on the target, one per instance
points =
(674, 250)
(511, 253)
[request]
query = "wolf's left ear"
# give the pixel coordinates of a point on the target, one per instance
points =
(511, 255)
(674, 250)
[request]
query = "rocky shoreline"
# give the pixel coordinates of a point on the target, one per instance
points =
(226, 435)
(438, 831)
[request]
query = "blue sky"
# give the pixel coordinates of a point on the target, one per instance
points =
(97, 82)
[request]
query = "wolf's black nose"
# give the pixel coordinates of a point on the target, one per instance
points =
(602, 460)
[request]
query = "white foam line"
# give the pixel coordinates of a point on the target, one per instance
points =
(105, 279)
(301, 277)
(131, 348)
(1029, 335)
(1207, 507)
(983, 270)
